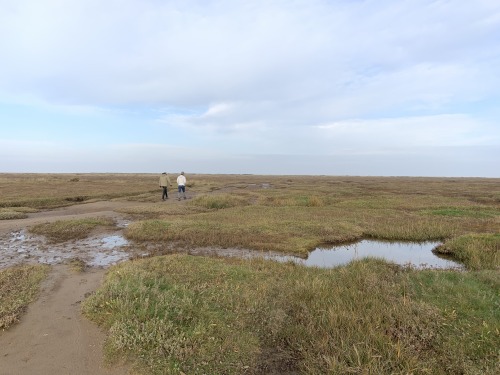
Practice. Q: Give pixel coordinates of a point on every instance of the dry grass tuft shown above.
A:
(65, 230)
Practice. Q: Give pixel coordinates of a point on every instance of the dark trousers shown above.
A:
(165, 193)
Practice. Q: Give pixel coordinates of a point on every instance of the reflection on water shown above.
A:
(106, 259)
(418, 255)
(113, 241)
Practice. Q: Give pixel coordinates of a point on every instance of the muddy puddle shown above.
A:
(99, 251)
(417, 255)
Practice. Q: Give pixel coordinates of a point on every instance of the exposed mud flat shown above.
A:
(102, 250)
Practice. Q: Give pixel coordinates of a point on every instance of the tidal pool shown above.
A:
(418, 255)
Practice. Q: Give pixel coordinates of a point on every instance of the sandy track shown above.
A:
(53, 337)
(103, 208)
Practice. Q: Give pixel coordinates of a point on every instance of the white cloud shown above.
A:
(197, 52)
(247, 78)
(425, 131)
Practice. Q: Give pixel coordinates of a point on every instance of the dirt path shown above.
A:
(53, 336)
(102, 208)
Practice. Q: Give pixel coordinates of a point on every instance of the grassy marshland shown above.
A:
(181, 314)
(295, 215)
(18, 287)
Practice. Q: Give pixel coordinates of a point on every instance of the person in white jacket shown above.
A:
(181, 186)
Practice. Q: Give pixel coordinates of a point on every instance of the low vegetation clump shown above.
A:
(18, 287)
(11, 213)
(6, 214)
(218, 201)
(65, 230)
(476, 251)
(182, 314)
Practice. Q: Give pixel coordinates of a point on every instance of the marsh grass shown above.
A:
(182, 314)
(15, 213)
(475, 212)
(469, 307)
(6, 214)
(291, 216)
(65, 230)
(18, 287)
(194, 315)
(299, 229)
(218, 201)
(476, 251)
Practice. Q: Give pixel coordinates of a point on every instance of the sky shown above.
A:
(286, 87)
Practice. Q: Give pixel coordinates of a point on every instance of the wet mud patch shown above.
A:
(101, 250)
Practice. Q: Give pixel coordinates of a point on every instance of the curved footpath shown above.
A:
(53, 337)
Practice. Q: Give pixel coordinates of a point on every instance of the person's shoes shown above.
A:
(163, 199)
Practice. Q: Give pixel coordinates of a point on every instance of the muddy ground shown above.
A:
(53, 337)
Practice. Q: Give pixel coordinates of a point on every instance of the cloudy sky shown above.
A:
(335, 87)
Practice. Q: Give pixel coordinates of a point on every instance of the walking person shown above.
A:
(181, 186)
(164, 181)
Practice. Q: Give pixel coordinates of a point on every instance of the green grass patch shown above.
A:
(218, 201)
(18, 287)
(470, 309)
(475, 212)
(194, 315)
(65, 230)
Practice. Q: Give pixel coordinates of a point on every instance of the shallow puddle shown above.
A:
(106, 259)
(418, 255)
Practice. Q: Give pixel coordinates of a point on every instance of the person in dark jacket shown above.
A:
(164, 181)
